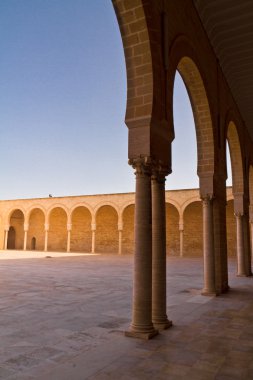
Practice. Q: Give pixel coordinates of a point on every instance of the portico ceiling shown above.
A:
(229, 26)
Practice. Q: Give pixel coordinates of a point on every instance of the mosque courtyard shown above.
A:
(63, 317)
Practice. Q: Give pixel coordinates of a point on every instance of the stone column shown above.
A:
(181, 236)
(241, 268)
(93, 241)
(142, 326)
(208, 247)
(251, 238)
(247, 245)
(6, 237)
(69, 228)
(159, 309)
(26, 228)
(46, 236)
(120, 229)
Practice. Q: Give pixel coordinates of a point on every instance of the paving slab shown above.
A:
(63, 317)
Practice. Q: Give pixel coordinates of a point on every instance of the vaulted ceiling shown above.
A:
(229, 26)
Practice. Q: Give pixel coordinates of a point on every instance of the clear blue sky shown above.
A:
(62, 103)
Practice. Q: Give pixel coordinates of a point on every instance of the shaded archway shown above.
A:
(36, 231)
(202, 116)
(11, 243)
(107, 230)
(172, 230)
(128, 230)
(236, 159)
(231, 229)
(193, 230)
(57, 236)
(81, 230)
(17, 223)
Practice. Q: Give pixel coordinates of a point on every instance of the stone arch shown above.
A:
(81, 218)
(33, 207)
(57, 235)
(184, 59)
(193, 229)
(231, 228)
(56, 205)
(128, 229)
(139, 68)
(36, 229)
(236, 158)
(107, 229)
(189, 201)
(16, 221)
(172, 230)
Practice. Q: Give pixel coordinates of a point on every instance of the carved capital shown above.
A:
(142, 165)
(238, 214)
(7, 227)
(46, 226)
(93, 226)
(159, 171)
(69, 226)
(150, 167)
(207, 198)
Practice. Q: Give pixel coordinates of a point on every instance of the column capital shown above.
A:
(181, 226)
(160, 171)
(120, 226)
(46, 226)
(148, 166)
(26, 227)
(238, 214)
(69, 226)
(7, 227)
(93, 226)
(207, 198)
(142, 165)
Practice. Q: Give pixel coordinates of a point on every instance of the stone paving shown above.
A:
(63, 317)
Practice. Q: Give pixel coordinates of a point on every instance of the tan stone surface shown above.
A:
(63, 318)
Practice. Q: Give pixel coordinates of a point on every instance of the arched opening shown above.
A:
(128, 230)
(11, 243)
(36, 230)
(81, 230)
(231, 229)
(107, 236)
(193, 230)
(57, 236)
(236, 159)
(33, 244)
(17, 223)
(172, 230)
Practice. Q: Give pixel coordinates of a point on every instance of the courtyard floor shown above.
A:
(63, 317)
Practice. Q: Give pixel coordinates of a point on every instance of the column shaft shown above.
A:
(208, 248)
(142, 326)
(241, 268)
(68, 240)
(6, 239)
(120, 242)
(181, 242)
(93, 241)
(25, 240)
(159, 309)
(46, 240)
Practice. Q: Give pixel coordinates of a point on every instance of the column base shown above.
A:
(242, 275)
(162, 325)
(141, 332)
(141, 335)
(209, 293)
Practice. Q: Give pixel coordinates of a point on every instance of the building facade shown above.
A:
(104, 223)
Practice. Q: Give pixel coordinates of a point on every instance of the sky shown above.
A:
(63, 100)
